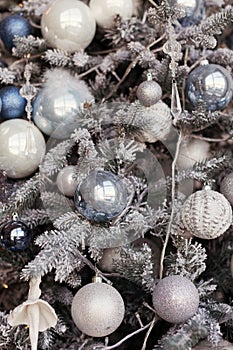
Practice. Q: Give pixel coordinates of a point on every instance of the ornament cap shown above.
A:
(97, 279)
(204, 62)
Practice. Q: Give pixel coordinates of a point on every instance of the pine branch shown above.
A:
(27, 45)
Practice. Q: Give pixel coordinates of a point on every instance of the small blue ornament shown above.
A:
(11, 26)
(15, 236)
(210, 86)
(13, 104)
(101, 197)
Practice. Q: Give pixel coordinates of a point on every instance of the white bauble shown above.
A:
(97, 309)
(192, 151)
(66, 182)
(104, 11)
(68, 25)
(22, 148)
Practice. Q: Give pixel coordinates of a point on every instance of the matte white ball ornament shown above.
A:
(66, 181)
(97, 309)
(104, 11)
(175, 299)
(22, 148)
(68, 25)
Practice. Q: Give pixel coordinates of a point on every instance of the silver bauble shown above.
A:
(149, 92)
(66, 181)
(226, 187)
(209, 85)
(191, 10)
(97, 309)
(206, 214)
(22, 148)
(175, 299)
(58, 102)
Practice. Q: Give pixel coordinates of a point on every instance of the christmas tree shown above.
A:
(116, 174)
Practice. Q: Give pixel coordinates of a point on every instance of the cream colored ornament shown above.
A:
(192, 151)
(104, 11)
(206, 345)
(66, 181)
(206, 214)
(35, 313)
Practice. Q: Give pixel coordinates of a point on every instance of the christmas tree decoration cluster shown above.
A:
(116, 174)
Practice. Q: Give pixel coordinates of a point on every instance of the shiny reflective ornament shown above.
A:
(210, 86)
(59, 101)
(149, 92)
(66, 182)
(206, 214)
(175, 299)
(226, 187)
(101, 197)
(97, 309)
(104, 11)
(68, 25)
(193, 11)
(15, 236)
(191, 152)
(13, 104)
(22, 148)
(11, 26)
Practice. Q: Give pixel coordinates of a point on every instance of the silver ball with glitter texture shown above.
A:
(97, 309)
(149, 92)
(207, 214)
(226, 187)
(175, 299)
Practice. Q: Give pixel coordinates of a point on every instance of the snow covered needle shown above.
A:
(34, 312)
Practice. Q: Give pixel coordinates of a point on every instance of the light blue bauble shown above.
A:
(58, 103)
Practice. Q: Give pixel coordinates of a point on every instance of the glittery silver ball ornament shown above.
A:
(226, 187)
(175, 299)
(149, 92)
(206, 214)
(101, 197)
(58, 102)
(97, 309)
(209, 85)
(66, 181)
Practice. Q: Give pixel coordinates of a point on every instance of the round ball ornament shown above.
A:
(192, 9)
(14, 236)
(58, 102)
(11, 26)
(207, 345)
(226, 187)
(66, 182)
(104, 11)
(22, 148)
(97, 309)
(149, 92)
(68, 25)
(175, 299)
(13, 104)
(101, 197)
(210, 86)
(206, 214)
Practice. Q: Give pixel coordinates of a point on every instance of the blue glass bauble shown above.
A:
(192, 10)
(13, 104)
(210, 86)
(11, 26)
(14, 236)
(101, 197)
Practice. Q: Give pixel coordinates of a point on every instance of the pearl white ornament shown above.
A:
(68, 25)
(22, 148)
(206, 214)
(66, 182)
(191, 152)
(97, 309)
(104, 11)
(175, 299)
(226, 187)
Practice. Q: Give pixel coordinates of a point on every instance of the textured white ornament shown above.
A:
(175, 299)
(66, 182)
(207, 345)
(206, 214)
(22, 148)
(68, 25)
(226, 187)
(192, 151)
(35, 313)
(104, 11)
(97, 309)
